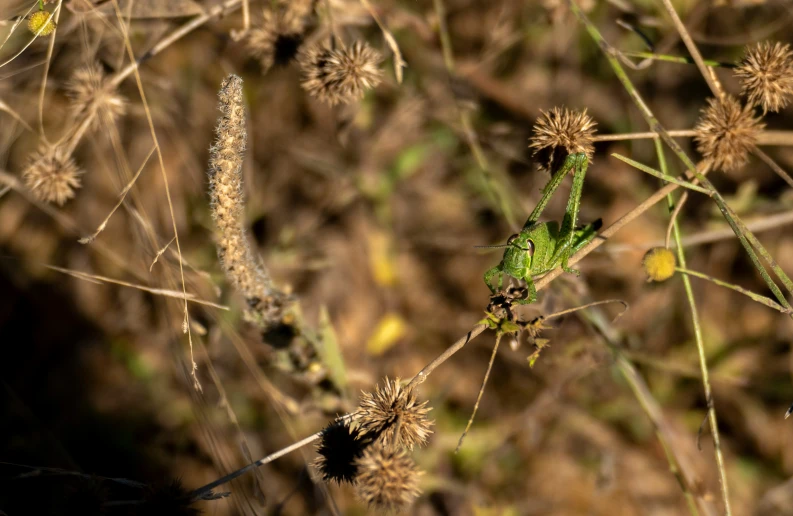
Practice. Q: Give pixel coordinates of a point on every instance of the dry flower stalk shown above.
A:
(341, 75)
(766, 73)
(726, 132)
(265, 304)
(394, 415)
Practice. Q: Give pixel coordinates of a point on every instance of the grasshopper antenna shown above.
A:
(491, 246)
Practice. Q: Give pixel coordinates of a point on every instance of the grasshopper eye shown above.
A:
(512, 239)
(530, 247)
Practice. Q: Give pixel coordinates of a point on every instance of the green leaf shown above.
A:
(329, 350)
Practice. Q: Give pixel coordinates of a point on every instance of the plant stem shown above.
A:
(707, 73)
(202, 491)
(675, 59)
(767, 301)
(703, 363)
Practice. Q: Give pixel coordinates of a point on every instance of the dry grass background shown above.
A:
(368, 214)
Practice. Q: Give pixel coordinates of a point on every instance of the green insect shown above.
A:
(540, 247)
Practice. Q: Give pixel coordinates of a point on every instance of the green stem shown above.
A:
(655, 126)
(666, 177)
(767, 301)
(703, 361)
(676, 59)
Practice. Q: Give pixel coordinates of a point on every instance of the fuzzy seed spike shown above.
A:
(265, 304)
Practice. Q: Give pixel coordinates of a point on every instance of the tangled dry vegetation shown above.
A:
(229, 227)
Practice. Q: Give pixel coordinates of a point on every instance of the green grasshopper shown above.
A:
(540, 247)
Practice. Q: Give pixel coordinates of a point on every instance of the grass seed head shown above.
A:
(387, 479)
(394, 415)
(766, 73)
(41, 21)
(339, 448)
(279, 36)
(726, 132)
(659, 264)
(340, 75)
(52, 176)
(93, 96)
(562, 128)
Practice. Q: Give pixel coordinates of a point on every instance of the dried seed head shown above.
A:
(92, 96)
(278, 38)
(394, 416)
(169, 499)
(41, 21)
(85, 495)
(387, 479)
(52, 176)
(339, 448)
(766, 73)
(659, 264)
(562, 128)
(340, 75)
(726, 132)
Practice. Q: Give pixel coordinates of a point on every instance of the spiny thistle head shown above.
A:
(42, 23)
(339, 448)
(562, 128)
(388, 479)
(52, 175)
(394, 416)
(279, 36)
(93, 96)
(726, 132)
(659, 264)
(340, 75)
(766, 73)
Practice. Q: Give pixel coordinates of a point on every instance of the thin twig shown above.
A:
(481, 392)
(121, 197)
(768, 160)
(186, 320)
(399, 62)
(202, 491)
(765, 138)
(707, 73)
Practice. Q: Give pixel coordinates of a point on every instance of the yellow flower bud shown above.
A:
(659, 264)
(41, 21)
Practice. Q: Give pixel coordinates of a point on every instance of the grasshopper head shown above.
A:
(520, 249)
